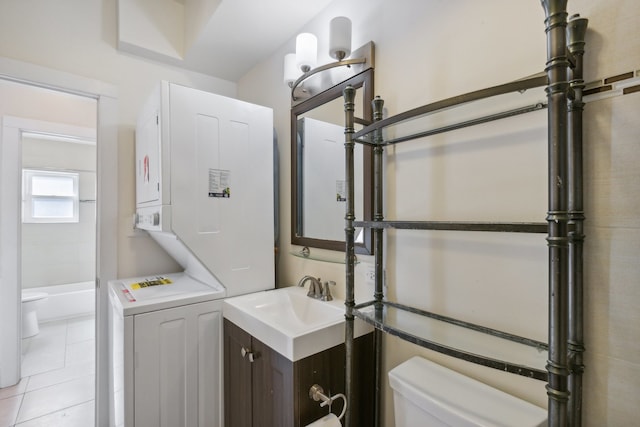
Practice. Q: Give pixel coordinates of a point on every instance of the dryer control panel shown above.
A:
(152, 218)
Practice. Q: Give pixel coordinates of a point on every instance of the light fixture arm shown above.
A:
(360, 60)
(303, 77)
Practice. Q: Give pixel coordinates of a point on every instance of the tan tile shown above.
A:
(81, 329)
(9, 410)
(14, 390)
(80, 352)
(57, 376)
(57, 397)
(76, 416)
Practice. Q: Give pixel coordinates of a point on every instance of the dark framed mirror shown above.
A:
(318, 168)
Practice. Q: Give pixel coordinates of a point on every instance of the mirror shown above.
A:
(318, 204)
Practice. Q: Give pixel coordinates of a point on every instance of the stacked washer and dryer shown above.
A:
(204, 192)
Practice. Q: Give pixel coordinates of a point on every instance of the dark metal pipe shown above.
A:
(576, 31)
(378, 152)
(349, 302)
(378, 294)
(556, 69)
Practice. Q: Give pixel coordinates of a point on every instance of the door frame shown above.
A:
(106, 219)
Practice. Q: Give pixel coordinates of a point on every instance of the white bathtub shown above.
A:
(66, 301)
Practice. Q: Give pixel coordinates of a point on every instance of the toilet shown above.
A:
(29, 314)
(430, 395)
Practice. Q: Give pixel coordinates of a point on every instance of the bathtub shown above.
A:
(66, 301)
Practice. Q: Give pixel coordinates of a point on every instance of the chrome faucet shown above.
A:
(315, 288)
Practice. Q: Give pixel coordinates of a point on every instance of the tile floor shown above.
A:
(58, 377)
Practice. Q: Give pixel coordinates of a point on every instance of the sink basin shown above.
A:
(294, 310)
(290, 322)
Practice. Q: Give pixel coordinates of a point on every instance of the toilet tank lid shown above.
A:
(460, 400)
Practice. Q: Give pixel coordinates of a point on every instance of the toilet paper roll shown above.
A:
(327, 421)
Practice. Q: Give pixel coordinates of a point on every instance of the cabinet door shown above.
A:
(273, 388)
(328, 369)
(324, 369)
(273, 391)
(237, 377)
(177, 367)
(148, 157)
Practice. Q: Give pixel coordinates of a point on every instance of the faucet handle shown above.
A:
(326, 292)
(315, 287)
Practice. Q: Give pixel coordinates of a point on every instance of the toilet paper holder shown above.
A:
(316, 392)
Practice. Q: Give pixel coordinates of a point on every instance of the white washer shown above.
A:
(165, 341)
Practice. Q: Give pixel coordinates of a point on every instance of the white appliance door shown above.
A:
(148, 154)
(222, 186)
(177, 366)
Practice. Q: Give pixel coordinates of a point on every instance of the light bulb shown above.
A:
(306, 51)
(340, 38)
(291, 70)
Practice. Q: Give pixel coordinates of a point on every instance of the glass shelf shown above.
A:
(482, 106)
(463, 340)
(305, 253)
(506, 227)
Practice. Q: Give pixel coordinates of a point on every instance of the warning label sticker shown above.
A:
(159, 280)
(219, 183)
(341, 191)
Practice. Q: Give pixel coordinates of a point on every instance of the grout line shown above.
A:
(27, 379)
(20, 407)
(54, 412)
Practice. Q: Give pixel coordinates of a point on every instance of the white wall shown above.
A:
(80, 38)
(55, 253)
(431, 50)
(60, 253)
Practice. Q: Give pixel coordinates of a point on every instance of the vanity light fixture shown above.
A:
(299, 66)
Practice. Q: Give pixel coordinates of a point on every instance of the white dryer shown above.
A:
(204, 192)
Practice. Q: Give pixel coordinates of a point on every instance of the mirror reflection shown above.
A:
(318, 168)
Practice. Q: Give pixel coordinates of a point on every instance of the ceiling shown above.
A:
(221, 38)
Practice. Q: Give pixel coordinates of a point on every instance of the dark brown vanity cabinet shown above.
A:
(262, 388)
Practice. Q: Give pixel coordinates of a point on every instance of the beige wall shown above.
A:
(425, 51)
(431, 50)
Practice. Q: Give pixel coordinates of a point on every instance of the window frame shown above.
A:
(28, 198)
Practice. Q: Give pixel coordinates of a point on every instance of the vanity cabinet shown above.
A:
(264, 388)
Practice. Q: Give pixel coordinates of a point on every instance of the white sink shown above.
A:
(290, 322)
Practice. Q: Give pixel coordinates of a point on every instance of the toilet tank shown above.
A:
(428, 394)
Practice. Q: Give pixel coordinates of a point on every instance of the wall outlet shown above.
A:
(370, 274)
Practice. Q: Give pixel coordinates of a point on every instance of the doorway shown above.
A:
(105, 118)
(58, 242)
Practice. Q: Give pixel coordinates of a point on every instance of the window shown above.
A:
(49, 196)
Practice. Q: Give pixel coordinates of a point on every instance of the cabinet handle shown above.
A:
(248, 353)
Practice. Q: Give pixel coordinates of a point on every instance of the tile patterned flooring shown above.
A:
(58, 377)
